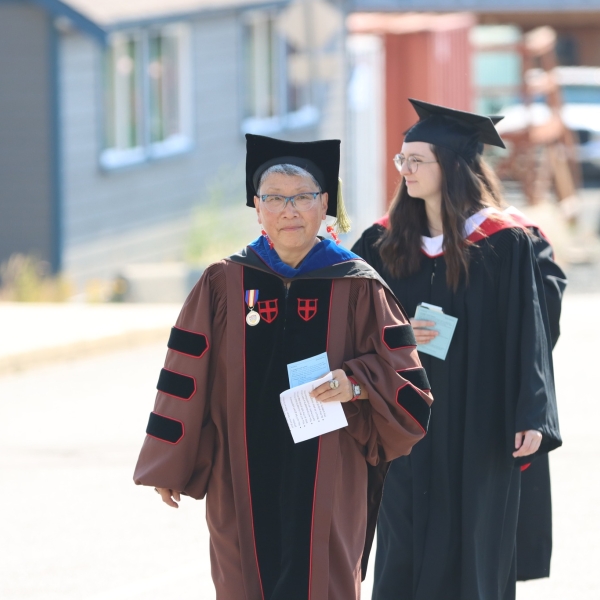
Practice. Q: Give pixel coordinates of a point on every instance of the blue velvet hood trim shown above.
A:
(324, 254)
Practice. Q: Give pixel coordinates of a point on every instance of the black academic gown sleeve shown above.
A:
(534, 529)
(528, 331)
(554, 282)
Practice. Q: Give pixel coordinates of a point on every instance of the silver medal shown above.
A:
(252, 318)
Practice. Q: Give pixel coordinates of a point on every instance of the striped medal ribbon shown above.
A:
(252, 318)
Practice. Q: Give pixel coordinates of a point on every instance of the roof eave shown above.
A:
(81, 22)
(211, 11)
(101, 33)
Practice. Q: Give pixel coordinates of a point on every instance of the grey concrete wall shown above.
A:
(26, 182)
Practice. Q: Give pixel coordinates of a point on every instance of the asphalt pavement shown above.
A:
(75, 527)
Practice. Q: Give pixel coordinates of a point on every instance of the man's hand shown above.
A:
(343, 393)
(170, 497)
(527, 442)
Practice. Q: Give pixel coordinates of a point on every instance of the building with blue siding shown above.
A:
(116, 118)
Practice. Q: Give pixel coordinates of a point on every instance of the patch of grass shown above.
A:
(27, 279)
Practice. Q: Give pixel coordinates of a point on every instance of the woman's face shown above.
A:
(426, 182)
(290, 230)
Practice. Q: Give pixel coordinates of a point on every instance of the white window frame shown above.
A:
(146, 150)
(283, 119)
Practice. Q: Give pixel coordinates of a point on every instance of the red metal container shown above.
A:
(426, 57)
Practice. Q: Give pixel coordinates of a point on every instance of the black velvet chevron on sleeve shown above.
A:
(188, 342)
(418, 377)
(164, 428)
(410, 400)
(176, 384)
(398, 336)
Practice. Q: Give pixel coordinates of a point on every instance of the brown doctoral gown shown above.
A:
(287, 521)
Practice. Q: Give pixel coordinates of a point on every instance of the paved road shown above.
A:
(74, 527)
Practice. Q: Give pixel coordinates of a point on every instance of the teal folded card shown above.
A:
(444, 325)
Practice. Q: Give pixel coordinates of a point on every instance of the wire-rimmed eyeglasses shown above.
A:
(412, 163)
(301, 202)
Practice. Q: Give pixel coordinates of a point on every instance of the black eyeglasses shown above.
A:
(302, 202)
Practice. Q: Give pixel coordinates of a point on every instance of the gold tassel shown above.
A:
(342, 221)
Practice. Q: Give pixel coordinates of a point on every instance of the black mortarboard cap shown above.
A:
(321, 159)
(457, 130)
(495, 120)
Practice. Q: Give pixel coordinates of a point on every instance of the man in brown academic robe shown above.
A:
(287, 521)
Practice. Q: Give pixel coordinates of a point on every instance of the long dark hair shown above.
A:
(466, 189)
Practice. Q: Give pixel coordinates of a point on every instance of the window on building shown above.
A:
(567, 50)
(277, 78)
(147, 95)
(123, 93)
(261, 67)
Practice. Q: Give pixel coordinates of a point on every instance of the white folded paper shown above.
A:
(308, 418)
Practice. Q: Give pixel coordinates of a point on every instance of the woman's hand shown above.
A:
(170, 497)
(527, 442)
(423, 336)
(343, 393)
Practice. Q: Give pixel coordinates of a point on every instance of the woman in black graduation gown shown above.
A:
(447, 525)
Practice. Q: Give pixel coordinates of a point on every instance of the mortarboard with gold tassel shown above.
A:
(321, 159)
